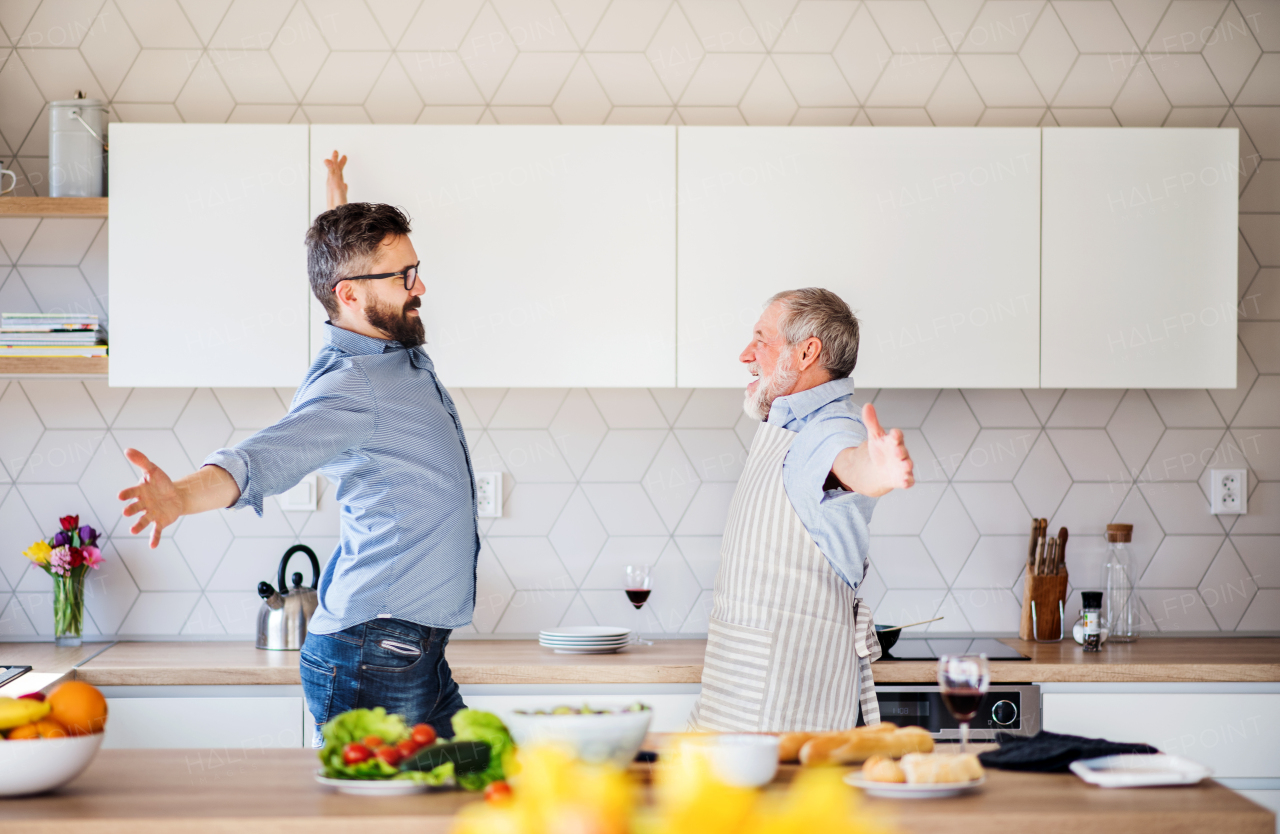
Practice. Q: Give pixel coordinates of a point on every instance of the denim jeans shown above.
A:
(382, 663)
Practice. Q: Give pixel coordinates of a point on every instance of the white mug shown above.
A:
(4, 190)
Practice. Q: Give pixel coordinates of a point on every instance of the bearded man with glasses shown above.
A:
(374, 418)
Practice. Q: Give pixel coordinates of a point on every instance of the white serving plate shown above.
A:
(901, 790)
(612, 650)
(1139, 770)
(371, 787)
(572, 645)
(578, 632)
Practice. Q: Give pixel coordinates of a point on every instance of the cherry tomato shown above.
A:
(355, 753)
(424, 734)
(390, 755)
(372, 742)
(407, 748)
(497, 793)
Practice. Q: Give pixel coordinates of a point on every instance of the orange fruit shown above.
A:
(78, 707)
(25, 731)
(48, 728)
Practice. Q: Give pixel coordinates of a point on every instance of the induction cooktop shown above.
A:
(931, 648)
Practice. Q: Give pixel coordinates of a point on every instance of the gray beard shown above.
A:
(756, 404)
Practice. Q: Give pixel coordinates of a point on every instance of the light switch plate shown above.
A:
(302, 498)
(489, 494)
(1229, 488)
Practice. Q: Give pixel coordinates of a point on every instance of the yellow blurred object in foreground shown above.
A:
(552, 793)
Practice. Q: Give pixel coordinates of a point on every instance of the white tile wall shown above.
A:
(602, 477)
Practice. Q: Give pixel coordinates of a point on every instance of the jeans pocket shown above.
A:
(317, 686)
(386, 651)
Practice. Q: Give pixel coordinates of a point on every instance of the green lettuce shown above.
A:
(355, 725)
(435, 778)
(476, 725)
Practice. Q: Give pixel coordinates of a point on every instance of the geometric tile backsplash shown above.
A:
(600, 478)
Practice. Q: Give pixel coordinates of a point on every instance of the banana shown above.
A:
(14, 712)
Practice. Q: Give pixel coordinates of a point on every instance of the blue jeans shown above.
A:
(382, 663)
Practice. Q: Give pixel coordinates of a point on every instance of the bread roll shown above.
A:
(921, 769)
(790, 744)
(880, 769)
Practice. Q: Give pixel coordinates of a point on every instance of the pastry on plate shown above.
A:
(936, 768)
(882, 769)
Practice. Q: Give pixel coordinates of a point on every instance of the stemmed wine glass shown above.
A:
(639, 585)
(964, 680)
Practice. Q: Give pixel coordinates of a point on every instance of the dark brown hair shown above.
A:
(344, 242)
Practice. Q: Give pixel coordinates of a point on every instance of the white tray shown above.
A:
(901, 790)
(1139, 770)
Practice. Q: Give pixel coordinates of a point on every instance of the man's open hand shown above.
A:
(155, 498)
(335, 187)
(889, 462)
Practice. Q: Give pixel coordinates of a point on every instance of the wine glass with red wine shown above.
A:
(639, 585)
(964, 680)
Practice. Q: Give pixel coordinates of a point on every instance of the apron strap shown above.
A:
(867, 645)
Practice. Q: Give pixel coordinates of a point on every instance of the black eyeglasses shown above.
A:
(410, 277)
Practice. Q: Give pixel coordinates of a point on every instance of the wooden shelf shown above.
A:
(79, 365)
(53, 206)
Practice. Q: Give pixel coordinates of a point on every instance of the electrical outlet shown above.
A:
(489, 494)
(1229, 489)
(302, 498)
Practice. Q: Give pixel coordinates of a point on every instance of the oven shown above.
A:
(1006, 708)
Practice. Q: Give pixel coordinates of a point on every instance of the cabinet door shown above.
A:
(221, 722)
(931, 236)
(548, 252)
(1139, 258)
(208, 275)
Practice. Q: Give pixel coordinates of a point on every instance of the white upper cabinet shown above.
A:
(930, 234)
(1139, 272)
(548, 252)
(208, 278)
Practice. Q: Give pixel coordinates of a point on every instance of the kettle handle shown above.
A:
(315, 564)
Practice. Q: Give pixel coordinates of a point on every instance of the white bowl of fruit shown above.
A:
(48, 741)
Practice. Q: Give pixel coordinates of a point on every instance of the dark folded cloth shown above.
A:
(1047, 752)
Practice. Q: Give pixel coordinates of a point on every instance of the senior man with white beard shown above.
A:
(790, 644)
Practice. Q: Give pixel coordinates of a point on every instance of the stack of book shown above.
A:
(51, 334)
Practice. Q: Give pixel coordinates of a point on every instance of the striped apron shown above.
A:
(789, 644)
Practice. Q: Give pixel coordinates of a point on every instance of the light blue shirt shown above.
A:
(372, 416)
(827, 422)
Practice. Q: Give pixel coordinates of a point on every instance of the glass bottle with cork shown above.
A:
(1120, 615)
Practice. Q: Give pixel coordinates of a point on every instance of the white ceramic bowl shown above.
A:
(615, 737)
(743, 760)
(42, 764)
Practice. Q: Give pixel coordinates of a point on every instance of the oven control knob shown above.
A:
(1004, 713)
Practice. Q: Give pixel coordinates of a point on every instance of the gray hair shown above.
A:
(816, 313)
(344, 242)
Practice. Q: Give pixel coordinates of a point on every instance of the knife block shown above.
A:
(1047, 592)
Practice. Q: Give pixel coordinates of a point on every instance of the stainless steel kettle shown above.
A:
(283, 618)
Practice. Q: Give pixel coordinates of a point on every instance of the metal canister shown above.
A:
(77, 148)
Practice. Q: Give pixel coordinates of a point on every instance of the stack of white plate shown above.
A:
(585, 639)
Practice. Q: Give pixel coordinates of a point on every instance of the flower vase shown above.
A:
(68, 608)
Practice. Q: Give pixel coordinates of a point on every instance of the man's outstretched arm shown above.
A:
(160, 501)
(879, 465)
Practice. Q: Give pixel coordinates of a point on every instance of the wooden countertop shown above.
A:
(680, 661)
(273, 791)
(49, 664)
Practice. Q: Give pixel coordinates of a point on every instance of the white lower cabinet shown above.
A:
(231, 718)
(1233, 728)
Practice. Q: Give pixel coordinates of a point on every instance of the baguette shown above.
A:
(790, 744)
(818, 750)
(861, 743)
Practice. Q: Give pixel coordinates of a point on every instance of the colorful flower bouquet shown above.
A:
(66, 558)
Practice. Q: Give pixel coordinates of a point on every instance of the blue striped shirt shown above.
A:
(372, 416)
(828, 422)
